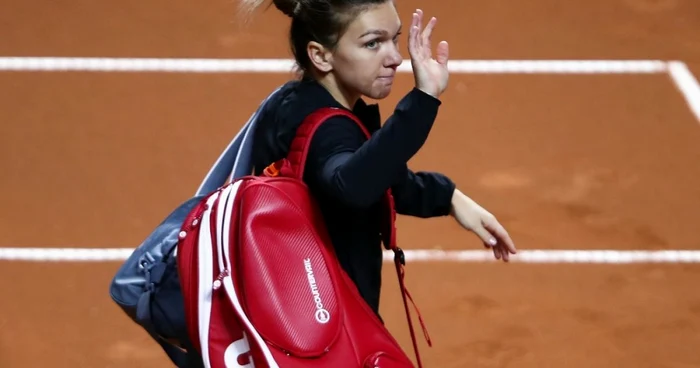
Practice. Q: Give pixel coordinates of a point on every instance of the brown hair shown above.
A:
(322, 21)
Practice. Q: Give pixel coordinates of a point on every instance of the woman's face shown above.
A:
(367, 55)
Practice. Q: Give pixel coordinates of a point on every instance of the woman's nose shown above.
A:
(394, 58)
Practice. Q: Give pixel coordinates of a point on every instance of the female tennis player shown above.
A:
(346, 50)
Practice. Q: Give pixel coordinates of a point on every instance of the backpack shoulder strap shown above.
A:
(299, 149)
(235, 161)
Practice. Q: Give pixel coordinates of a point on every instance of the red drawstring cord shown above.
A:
(400, 261)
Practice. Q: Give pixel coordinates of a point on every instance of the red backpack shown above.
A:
(262, 285)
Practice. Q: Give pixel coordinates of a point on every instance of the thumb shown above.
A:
(488, 239)
(443, 53)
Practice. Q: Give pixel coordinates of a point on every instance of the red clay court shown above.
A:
(569, 155)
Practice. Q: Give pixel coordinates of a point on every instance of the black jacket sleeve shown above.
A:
(424, 194)
(347, 167)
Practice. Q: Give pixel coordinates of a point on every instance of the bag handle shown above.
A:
(235, 161)
(293, 164)
(299, 149)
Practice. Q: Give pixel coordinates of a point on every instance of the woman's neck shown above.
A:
(342, 95)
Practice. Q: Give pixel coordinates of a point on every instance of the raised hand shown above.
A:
(430, 73)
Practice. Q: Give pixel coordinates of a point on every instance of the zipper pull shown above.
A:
(219, 279)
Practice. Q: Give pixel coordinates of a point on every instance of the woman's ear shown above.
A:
(320, 57)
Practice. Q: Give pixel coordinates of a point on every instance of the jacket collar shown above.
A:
(368, 114)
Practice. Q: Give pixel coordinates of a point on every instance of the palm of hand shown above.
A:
(431, 74)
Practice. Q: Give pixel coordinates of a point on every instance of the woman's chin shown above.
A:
(380, 93)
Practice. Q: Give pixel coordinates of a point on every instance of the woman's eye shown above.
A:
(396, 38)
(372, 44)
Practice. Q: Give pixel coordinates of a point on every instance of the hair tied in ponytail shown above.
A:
(288, 7)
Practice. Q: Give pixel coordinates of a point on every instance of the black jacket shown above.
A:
(349, 174)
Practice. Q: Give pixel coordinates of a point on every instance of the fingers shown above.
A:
(428, 32)
(499, 250)
(504, 253)
(413, 39)
(500, 232)
(420, 38)
(492, 242)
(486, 237)
(419, 18)
(494, 236)
(420, 41)
(494, 248)
(443, 53)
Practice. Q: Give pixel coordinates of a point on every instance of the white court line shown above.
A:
(420, 255)
(95, 64)
(678, 70)
(687, 84)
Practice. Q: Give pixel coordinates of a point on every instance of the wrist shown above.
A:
(454, 201)
(460, 199)
(428, 92)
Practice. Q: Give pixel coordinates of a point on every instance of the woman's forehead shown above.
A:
(380, 19)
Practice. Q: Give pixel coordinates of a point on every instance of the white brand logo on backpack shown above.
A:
(322, 315)
(237, 349)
